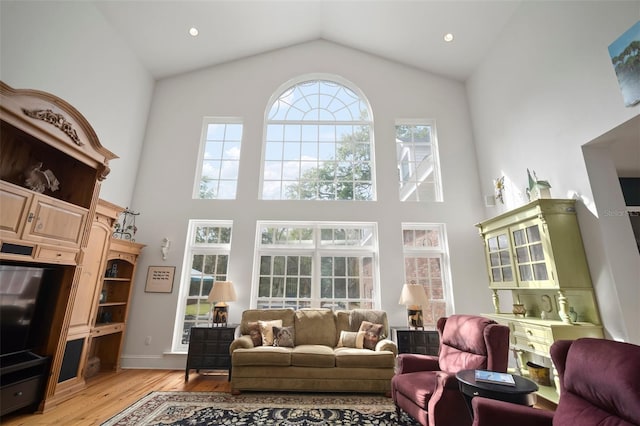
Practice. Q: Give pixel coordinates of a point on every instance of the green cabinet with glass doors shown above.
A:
(536, 253)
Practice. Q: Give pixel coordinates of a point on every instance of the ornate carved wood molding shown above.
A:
(57, 120)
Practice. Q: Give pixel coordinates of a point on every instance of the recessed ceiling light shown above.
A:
(193, 31)
(448, 37)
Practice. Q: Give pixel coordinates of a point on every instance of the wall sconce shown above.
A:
(164, 247)
(414, 297)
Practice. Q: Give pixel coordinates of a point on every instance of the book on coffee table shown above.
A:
(495, 377)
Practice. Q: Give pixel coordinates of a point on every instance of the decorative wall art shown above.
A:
(498, 187)
(625, 57)
(160, 279)
(127, 229)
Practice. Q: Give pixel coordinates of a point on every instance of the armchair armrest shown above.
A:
(243, 342)
(387, 345)
(491, 412)
(410, 363)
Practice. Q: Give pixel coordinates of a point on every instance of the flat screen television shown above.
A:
(20, 296)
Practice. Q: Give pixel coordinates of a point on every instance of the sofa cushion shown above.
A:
(363, 358)
(284, 336)
(266, 329)
(315, 327)
(351, 339)
(371, 333)
(255, 333)
(320, 356)
(262, 355)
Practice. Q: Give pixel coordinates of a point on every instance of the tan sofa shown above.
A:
(319, 361)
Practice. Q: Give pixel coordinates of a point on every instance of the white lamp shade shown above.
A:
(413, 295)
(222, 291)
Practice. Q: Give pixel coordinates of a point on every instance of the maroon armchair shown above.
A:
(599, 385)
(425, 386)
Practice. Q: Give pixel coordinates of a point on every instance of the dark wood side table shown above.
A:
(522, 393)
(209, 349)
(411, 341)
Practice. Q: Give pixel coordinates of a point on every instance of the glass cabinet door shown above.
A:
(499, 260)
(531, 258)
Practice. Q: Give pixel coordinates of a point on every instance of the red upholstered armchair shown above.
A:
(599, 385)
(426, 387)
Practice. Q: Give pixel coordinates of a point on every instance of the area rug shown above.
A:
(217, 408)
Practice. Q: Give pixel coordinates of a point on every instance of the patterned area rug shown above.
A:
(217, 408)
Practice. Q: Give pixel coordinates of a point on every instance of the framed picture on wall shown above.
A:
(625, 58)
(160, 279)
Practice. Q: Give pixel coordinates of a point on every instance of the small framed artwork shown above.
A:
(160, 279)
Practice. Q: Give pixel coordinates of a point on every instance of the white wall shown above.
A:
(546, 89)
(69, 50)
(242, 89)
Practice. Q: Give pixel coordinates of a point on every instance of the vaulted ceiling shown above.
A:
(409, 32)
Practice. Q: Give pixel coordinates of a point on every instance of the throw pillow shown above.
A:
(371, 334)
(351, 339)
(266, 330)
(283, 337)
(254, 332)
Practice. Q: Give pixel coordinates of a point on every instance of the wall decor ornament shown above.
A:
(127, 229)
(498, 186)
(537, 188)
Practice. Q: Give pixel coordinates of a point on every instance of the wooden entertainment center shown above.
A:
(51, 170)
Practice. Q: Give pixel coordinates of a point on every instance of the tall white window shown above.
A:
(425, 256)
(206, 261)
(418, 165)
(318, 144)
(219, 159)
(331, 265)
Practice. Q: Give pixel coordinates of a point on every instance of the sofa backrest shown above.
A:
(600, 382)
(315, 327)
(254, 315)
(472, 342)
(356, 316)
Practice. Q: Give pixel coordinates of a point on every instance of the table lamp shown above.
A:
(221, 292)
(414, 297)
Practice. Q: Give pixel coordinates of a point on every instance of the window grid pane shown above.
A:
(220, 161)
(314, 278)
(208, 260)
(417, 156)
(424, 255)
(318, 145)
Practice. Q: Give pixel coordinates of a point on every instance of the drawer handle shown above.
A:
(530, 333)
(476, 393)
(531, 346)
(19, 393)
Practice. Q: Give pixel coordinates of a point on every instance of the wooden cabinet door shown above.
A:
(55, 221)
(15, 203)
(91, 279)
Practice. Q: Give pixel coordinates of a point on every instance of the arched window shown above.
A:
(318, 143)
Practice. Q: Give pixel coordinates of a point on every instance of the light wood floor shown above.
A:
(109, 393)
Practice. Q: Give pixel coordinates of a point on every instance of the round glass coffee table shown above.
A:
(522, 393)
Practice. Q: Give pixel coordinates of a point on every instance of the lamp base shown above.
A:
(220, 315)
(414, 317)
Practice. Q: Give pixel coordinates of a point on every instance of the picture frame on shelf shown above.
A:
(160, 279)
